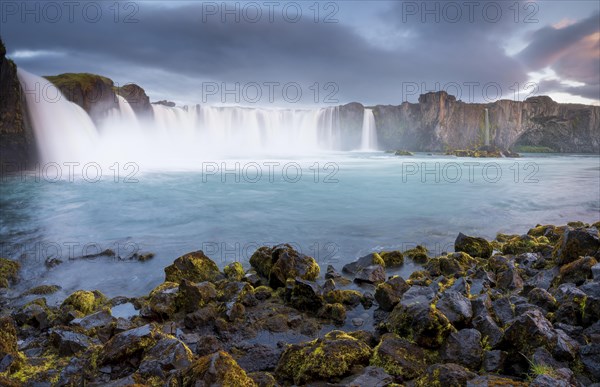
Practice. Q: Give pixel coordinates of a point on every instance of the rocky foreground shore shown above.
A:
(519, 310)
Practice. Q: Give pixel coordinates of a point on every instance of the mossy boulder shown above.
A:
(84, 301)
(35, 313)
(528, 332)
(130, 344)
(392, 258)
(335, 312)
(526, 244)
(305, 295)
(136, 98)
(450, 265)
(575, 243)
(549, 231)
(423, 324)
(474, 246)
(9, 350)
(399, 357)
(217, 369)
(282, 262)
(577, 272)
(195, 267)
(446, 375)
(192, 296)
(326, 359)
(162, 300)
(166, 356)
(344, 296)
(417, 254)
(42, 290)
(9, 271)
(389, 293)
(234, 271)
(362, 263)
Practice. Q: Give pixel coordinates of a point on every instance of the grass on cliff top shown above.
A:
(71, 81)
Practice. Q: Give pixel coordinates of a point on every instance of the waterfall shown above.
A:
(63, 130)
(369, 132)
(175, 136)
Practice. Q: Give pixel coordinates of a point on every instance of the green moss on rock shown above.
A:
(42, 290)
(195, 267)
(417, 254)
(323, 359)
(234, 271)
(474, 246)
(217, 369)
(8, 272)
(392, 258)
(84, 301)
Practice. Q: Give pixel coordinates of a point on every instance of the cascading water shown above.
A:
(63, 130)
(176, 136)
(369, 132)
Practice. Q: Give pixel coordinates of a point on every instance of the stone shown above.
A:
(463, 347)
(362, 262)
(392, 258)
(474, 246)
(424, 324)
(575, 243)
(217, 369)
(194, 267)
(529, 331)
(590, 357)
(193, 296)
(577, 271)
(369, 376)
(448, 374)
(162, 300)
(493, 361)
(69, 343)
(399, 357)
(322, 359)
(543, 299)
(128, 344)
(491, 333)
(84, 302)
(306, 295)
(167, 355)
(234, 271)
(389, 293)
(456, 307)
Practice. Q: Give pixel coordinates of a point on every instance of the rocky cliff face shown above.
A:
(440, 122)
(137, 98)
(17, 147)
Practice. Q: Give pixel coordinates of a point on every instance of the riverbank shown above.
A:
(518, 310)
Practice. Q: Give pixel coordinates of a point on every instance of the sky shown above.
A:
(325, 53)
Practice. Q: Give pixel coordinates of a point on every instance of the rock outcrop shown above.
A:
(137, 98)
(17, 146)
(438, 122)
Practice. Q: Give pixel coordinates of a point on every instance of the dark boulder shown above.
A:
(464, 347)
(195, 267)
(575, 243)
(399, 357)
(456, 307)
(474, 246)
(389, 293)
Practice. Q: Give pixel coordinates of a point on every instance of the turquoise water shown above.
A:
(371, 201)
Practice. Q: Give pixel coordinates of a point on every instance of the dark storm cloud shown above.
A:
(171, 51)
(573, 52)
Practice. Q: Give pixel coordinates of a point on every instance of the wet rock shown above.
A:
(9, 271)
(529, 331)
(194, 267)
(8, 344)
(166, 356)
(346, 297)
(543, 299)
(548, 381)
(578, 271)
(493, 380)
(129, 344)
(392, 258)
(492, 334)
(417, 295)
(543, 279)
(481, 305)
(306, 295)
(258, 357)
(42, 290)
(503, 310)
(575, 243)
(451, 265)
(207, 345)
(281, 263)
(234, 271)
(463, 347)
(596, 272)
(427, 326)
(508, 277)
(367, 300)
(374, 274)
(399, 357)
(369, 376)
(448, 374)
(565, 347)
(590, 357)
(456, 307)
(542, 357)
(331, 273)
(322, 359)
(474, 246)
(591, 306)
(417, 254)
(493, 361)
(263, 379)
(524, 244)
(162, 301)
(192, 296)
(363, 262)
(36, 314)
(335, 312)
(69, 343)
(84, 302)
(389, 293)
(262, 293)
(217, 369)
